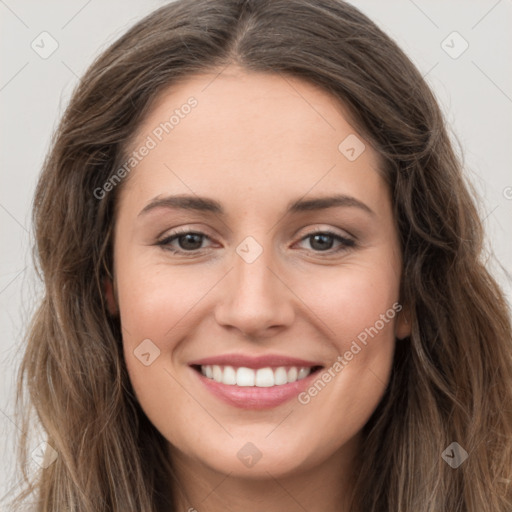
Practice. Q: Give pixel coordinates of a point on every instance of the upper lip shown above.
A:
(255, 362)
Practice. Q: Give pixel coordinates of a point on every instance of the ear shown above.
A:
(110, 296)
(403, 324)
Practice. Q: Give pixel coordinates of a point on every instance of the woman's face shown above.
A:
(254, 299)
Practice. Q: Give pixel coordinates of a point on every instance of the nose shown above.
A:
(255, 299)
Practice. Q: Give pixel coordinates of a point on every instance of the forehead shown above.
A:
(257, 104)
(248, 133)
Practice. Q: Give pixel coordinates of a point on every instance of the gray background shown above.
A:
(474, 90)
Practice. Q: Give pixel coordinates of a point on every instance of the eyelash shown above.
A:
(346, 243)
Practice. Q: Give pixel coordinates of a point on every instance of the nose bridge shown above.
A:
(253, 281)
(251, 262)
(255, 297)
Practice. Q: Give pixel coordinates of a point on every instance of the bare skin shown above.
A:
(254, 143)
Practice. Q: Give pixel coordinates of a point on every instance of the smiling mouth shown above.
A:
(249, 377)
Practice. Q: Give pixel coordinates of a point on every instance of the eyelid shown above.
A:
(307, 232)
(322, 228)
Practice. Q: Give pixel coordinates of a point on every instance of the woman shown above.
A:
(331, 340)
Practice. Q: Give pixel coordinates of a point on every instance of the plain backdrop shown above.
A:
(473, 86)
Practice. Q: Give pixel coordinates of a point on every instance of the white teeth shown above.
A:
(280, 376)
(292, 374)
(264, 378)
(247, 377)
(229, 375)
(217, 373)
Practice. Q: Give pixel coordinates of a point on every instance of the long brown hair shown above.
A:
(452, 378)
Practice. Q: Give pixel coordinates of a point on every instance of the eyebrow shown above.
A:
(206, 204)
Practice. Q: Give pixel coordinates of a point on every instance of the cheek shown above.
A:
(155, 299)
(155, 306)
(358, 305)
(159, 306)
(355, 299)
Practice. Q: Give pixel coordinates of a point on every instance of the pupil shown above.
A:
(323, 238)
(190, 238)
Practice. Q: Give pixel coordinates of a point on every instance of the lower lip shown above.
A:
(253, 397)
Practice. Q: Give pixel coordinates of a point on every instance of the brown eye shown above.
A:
(190, 242)
(322, 241)
(187, 241)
